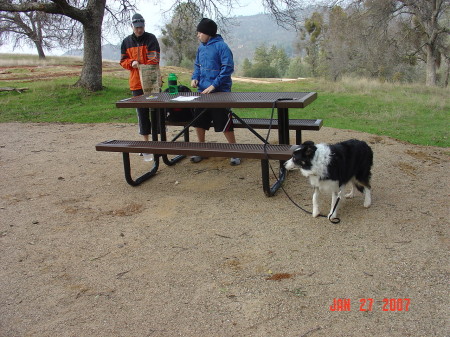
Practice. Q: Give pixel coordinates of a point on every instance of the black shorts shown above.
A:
(220, 117)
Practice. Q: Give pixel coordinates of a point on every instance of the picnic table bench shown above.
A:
(264, 152)
(264, 123)
(161, 148)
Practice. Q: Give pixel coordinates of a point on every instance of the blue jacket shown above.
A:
(214, 65)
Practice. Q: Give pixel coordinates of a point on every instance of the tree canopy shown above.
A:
(179, 41)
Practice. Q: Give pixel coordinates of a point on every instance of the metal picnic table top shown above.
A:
(220, 100)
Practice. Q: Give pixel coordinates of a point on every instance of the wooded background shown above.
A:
(394, 40)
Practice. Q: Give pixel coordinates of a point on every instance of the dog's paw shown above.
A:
(315, 213)
(367, 200)
(350, 193)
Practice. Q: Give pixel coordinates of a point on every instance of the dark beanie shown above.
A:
(207, 26)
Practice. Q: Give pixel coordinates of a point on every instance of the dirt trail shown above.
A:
(200, 251)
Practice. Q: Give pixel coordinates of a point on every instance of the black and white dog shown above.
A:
(331, 167)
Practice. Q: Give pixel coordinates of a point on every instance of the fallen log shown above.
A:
(19, 90)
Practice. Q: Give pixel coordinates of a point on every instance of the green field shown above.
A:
(409, 112)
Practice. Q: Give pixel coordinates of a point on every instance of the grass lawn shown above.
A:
(409, 112)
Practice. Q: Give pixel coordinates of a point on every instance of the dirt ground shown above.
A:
(199, 250)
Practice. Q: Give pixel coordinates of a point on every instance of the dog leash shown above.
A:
(335, 220)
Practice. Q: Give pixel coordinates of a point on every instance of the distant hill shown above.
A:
(247, 33)
(253, 31)
(109, 52)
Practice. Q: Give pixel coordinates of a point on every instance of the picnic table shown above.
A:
(161, 148)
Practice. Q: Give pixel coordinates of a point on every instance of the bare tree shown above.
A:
(288, 13)
(428, 23)
(42, 30)
(179, 41)
(90, 14)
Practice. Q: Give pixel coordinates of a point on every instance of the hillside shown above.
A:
(253, 31)
(243, 36)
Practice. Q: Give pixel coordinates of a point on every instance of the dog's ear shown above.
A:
(308, 143)
(310, 148)
(295, 148)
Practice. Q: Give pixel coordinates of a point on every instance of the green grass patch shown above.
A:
(412, 113)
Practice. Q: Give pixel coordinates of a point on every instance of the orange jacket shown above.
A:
(144, 49)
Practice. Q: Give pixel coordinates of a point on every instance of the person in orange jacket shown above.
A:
(140, 47)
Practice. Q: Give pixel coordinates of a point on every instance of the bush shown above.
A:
(188, 64)
(262, 71)
(297, 68)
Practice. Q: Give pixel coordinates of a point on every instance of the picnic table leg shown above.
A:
(185, 130)
(144, 177)
(283, 138)
(161, 118)
(283, 125)
(252, 130)
(271, 190)
(298, 137)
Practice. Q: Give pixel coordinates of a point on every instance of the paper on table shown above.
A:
(184, 98)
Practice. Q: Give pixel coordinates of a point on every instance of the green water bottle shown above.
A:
(173, 84)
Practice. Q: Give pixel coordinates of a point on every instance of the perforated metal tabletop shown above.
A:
(221, 100)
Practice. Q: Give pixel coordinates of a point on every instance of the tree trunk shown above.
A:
(431, 66)
(91, 74)
(40, 49)
(91, 17)
(447, 75)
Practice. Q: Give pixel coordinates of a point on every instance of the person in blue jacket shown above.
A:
(212, 73)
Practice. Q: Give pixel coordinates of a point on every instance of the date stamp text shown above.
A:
(369, 304)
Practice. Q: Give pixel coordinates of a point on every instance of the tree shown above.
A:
(90, 13)
(179, 41)
(428, 19)
(297, 68)
(428, 23)
(259, 70)
(313, 27)
(246, 67)
(280, 61)
(357, 42)
(42, 30)
(267, 63)
(262, 56)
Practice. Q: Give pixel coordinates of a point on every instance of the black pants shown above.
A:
(143, 114)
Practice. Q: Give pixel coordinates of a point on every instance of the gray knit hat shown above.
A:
(137, 20)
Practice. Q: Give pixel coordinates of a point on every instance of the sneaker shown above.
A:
(235, 161)
(147, 156)
(196, 159)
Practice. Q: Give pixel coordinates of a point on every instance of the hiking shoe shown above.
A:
(196, 159)
(235, 161)
(147, 156)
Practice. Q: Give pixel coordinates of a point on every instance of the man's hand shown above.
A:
(194, 83)
(208, 90)
(135, 64)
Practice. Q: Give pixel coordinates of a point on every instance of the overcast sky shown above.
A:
(152, 11)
